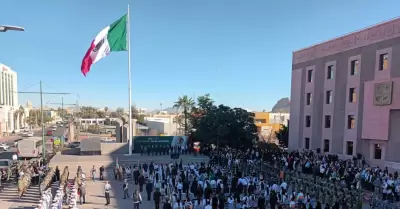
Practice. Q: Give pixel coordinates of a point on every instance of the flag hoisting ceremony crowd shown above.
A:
(258, 178)
(232, 178)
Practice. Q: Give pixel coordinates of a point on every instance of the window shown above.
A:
(351, 122)
(328, 97)
(326, 145)
(327, 121)
(354, 67)
(383, 61)
(309, 98)
(330, 72)
(261, 120)
(352, 95)
(307, 143)
(309, 76)
(349, 148)
(308, 121)
(377, 152)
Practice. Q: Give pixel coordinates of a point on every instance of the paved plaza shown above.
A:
(95, 189)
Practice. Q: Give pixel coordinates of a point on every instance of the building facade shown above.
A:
(268, 123)
(162, 124)
(345, 94)
(8, 100)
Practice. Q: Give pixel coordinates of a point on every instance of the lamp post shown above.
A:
(5, 28)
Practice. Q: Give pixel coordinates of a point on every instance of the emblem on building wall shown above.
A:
(383, 93)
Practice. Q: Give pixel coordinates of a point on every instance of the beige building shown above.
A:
(163, 123)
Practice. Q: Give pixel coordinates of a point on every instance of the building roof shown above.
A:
(377, 33)
(351, 33)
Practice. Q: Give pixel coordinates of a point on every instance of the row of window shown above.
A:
(351, 121)
(354, 68)
(326, 146)
(377, 154)
(329, 97)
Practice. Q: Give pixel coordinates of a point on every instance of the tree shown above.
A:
(186, 103)
(283, 135)
(114, 115)
(88, 112)
(18, 114)
(101, 114)
(35, 118)
(222, 125)
(120, 111)
(204, 104)
(61, 112)
(106, 110)
(135, 112)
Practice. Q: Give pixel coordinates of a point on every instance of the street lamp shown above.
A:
(5, 28)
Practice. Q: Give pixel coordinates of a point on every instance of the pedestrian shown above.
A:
(141, 182)
(167, 204)
(93, 171)
(82, 192)
(101, 172)
(57, 174)
(157, 198)
(125, 188)
(107, 189)
(137, 199)
(149, 189)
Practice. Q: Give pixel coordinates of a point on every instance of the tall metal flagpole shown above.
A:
(128, 33)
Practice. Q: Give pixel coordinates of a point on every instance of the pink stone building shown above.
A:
(345, 94)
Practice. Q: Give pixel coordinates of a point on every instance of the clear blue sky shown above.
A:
(238, 51)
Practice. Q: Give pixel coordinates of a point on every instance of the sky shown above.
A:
(238, 51)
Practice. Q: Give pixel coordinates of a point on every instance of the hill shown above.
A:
(282, 106)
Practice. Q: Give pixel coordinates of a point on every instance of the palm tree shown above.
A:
(106, 110)
(21, 111)
(186, 103)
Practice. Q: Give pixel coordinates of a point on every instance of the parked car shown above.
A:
(49, 133)
(4, 147)
(5, 163)
(74, 145)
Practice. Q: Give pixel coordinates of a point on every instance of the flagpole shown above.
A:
(130, 82)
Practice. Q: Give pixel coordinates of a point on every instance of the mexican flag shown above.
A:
(110, 39)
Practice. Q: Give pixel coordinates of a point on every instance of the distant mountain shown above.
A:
(282, 106)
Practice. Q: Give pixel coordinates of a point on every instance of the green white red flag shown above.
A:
(110, 39)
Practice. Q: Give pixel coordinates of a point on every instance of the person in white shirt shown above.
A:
(300, 197)
(15, 157)
(208, 205)
(107, 189)
(284, 185)
(178, 205)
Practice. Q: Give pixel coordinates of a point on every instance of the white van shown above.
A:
(30, 147)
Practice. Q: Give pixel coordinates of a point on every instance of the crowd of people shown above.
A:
(255, 178)
(251, 179)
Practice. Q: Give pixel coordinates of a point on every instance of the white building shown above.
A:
(279, 118)
(163, 125)
(8, 99)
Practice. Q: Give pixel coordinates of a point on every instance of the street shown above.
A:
(37, 133)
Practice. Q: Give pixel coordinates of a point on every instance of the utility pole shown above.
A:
(62, 106)
(42, 112)
(62, 112)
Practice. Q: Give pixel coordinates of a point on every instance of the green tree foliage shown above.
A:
(222, 125)
(283, 135)
(186, 103)
(35, 118)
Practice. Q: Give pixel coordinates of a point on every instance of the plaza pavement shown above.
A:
(95, 189)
